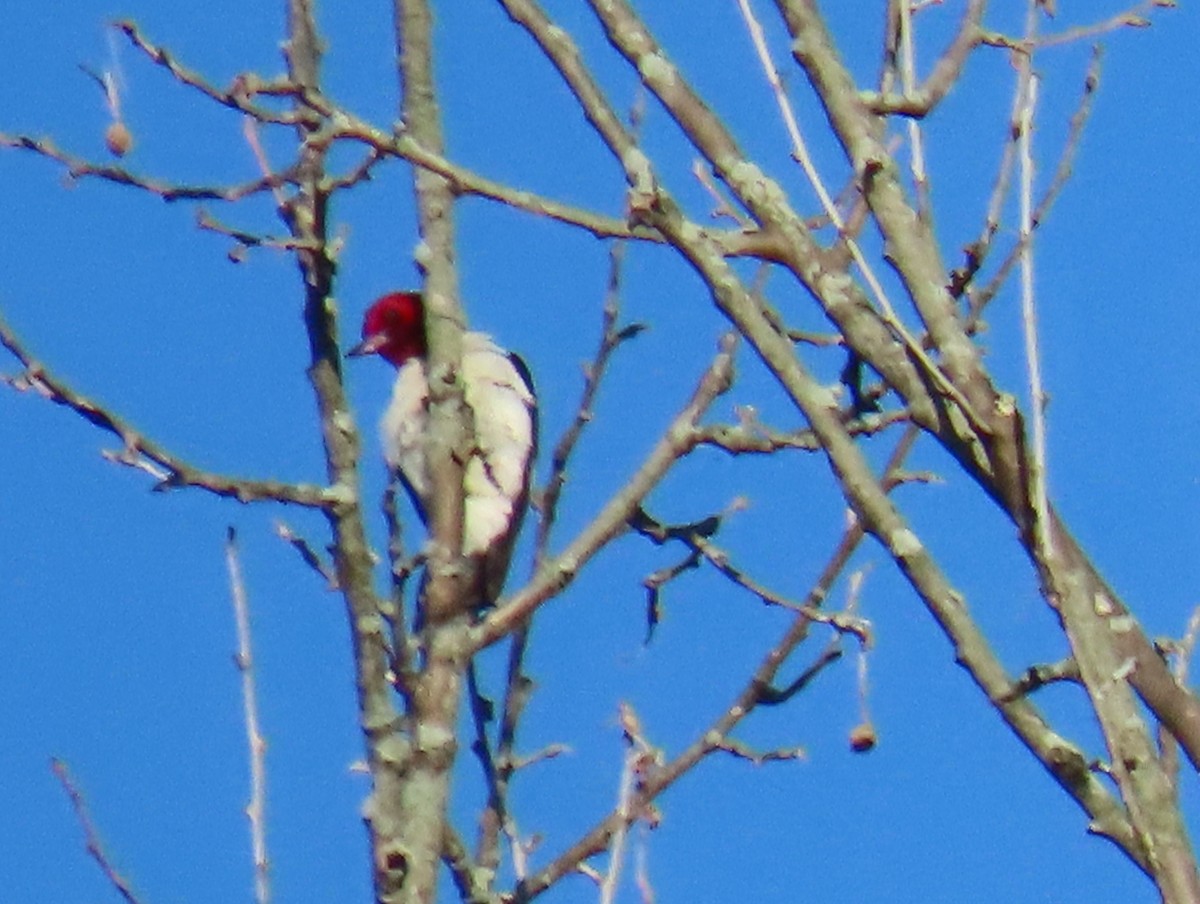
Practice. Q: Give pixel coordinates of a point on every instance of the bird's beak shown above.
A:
(368, 346)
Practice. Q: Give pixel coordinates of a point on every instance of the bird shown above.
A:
(498, 389)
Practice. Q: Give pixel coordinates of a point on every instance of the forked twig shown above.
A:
(978, 251)
(144, 454)
(888, 312)
(612, 337)
(79, 168)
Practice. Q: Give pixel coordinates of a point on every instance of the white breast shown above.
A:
(496, 473)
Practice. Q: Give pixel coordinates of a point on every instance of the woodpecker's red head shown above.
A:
(394, 328)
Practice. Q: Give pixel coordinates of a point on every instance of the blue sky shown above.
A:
(116, 633)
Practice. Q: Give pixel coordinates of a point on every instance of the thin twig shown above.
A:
(743, 751)
(137, 451)
(517, 688)
(777, 696)
(918, 102)
(467, 877)
(1062, 173)
(1182, 650)
(1040, 675)
(724, 207)
(802, 156)
(702, 547)
(1033, 361)
(1135, 17)
(307, 554)
(616, 846)
(679, 439)
(209, 223)
(755, 438)
(237, 98)
(642, 867)
(250, 133)
(757, 691)
(865, 730)
(401, 568)
(91, 837)
(908, 66)
(256, 809)
(977, 252)
(612, 337)
(79, 168)
(482, 712)
(639, 762)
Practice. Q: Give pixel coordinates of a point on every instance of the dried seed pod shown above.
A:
(118, 139)
(863, 737)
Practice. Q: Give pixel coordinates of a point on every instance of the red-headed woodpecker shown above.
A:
(498, 390)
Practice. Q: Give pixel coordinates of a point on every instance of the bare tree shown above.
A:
(850, 228)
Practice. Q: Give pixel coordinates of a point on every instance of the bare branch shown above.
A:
(239, 97)
(742, 751)
(977, 252)
(918, 102)
(678, 440)
(308, 555)
(776, 696)
(639, 761)
(697, 537)
(256, 809)
(79, 168)
(612, 337)
(94, 846)
(1033, 361)
(800, 152)
(248, 239)
(482, 714)
(464, 871)
(754, 438)
(1134, 17)
(1036, 677)
(307, 217)
(137, 450)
